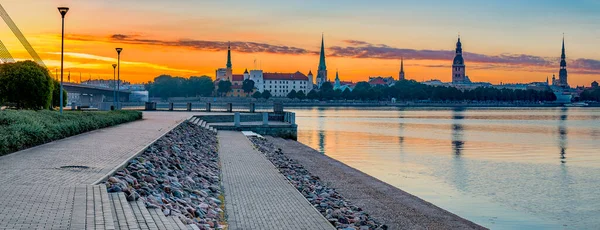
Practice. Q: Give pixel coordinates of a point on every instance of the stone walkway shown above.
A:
(257, 196)
(36, 193)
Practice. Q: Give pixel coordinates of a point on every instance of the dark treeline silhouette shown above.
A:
(590, 95)
(410, 90)
(165, 86)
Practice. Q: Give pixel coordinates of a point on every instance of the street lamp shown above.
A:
(114, 85)
(63, 11)
(118, 73)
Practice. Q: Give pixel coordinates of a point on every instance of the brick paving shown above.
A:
(36, 193)
(257, 196)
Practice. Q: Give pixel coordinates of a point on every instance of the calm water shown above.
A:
(502, 168)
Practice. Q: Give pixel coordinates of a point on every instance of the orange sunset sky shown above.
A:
(504, 41)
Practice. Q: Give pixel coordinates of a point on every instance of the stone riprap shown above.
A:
(178, 174)
(341, 213)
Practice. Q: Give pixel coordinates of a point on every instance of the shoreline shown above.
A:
(393, 206)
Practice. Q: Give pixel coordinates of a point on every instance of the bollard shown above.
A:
(265, 119)
(236, 119)
(207, 106)
(292, 118)
(229, 107)
(252, 107)
(189, 106)
(171, 106)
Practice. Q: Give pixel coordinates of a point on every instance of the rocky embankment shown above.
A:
(179, 174)
(339, 211)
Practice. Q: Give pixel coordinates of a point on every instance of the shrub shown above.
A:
(21, 129)
(56, 95)
(26, 84)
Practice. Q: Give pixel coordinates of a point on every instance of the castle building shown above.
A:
(322, 70)
(401, 74)
(458, 66)
(278, 84)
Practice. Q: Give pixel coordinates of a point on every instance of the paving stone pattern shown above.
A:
(36, 193)
(257, 196)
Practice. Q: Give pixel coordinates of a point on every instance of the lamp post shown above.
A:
(63, 11)
(118, 73)
(115, 85)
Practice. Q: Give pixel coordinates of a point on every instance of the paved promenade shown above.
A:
(257, 196)
(37, 191)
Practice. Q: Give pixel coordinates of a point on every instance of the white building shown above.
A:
(280, 84)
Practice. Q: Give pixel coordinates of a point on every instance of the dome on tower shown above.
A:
(458, 60)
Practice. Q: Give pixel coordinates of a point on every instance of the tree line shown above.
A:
(165, 86)
(27, 85)
(590, 94)
(410, 90)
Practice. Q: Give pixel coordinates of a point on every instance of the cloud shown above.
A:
(203, 45)
(114, 60)
(362, 49)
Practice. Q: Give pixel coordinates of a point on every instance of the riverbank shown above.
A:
(388, 204)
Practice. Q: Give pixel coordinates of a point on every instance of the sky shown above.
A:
(504, 41)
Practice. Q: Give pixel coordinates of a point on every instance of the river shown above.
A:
(503, 168)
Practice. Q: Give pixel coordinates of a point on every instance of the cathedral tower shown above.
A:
(458, 66)
(401, 74)
(562, 74)
(322, 70)
(229, 72)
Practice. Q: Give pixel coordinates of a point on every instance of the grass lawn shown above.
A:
(21, 129)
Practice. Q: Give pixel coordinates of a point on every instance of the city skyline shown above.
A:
(186, 40)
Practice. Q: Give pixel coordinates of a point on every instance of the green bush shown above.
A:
(21, 129)
(56, 95)
(26, 84)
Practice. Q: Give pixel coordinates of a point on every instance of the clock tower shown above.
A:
(458, 66)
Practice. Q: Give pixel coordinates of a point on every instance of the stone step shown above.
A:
(160, 219)
(122, 212)
(92, 208)
(142, 215)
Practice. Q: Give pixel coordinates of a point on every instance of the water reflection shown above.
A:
(321, 117)
(457, 130)
(562, 134)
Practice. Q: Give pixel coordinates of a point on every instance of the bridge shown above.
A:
(91, 95)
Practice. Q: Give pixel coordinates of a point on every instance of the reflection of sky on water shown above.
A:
(503, 172)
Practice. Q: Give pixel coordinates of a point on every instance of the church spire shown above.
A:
(563, 56)
(229, 55)
(401, 74)
(337, 76)
(322, 65)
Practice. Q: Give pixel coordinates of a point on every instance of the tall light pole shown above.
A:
(115, 85)
(63, 11)
(118, 74)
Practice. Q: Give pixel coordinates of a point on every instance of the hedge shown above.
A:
(21, 129)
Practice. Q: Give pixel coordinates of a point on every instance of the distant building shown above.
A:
(401, 74)
(563, 80)
(342, 85)
(387, 81)
(594, 85)
(458, 66)
(322, 70)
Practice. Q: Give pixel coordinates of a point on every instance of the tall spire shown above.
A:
(337, 76)
(563, 56)
(402, 65)
(229, 55)
(322, 65)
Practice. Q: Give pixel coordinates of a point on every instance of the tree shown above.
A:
(200, 86)
(300, 95)
(312, 95)
(56, 95)
(224, 87)
(266, 94)
(347, 94)
(26, 84)
(248, 86)
(257, 95)
(292, 94)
